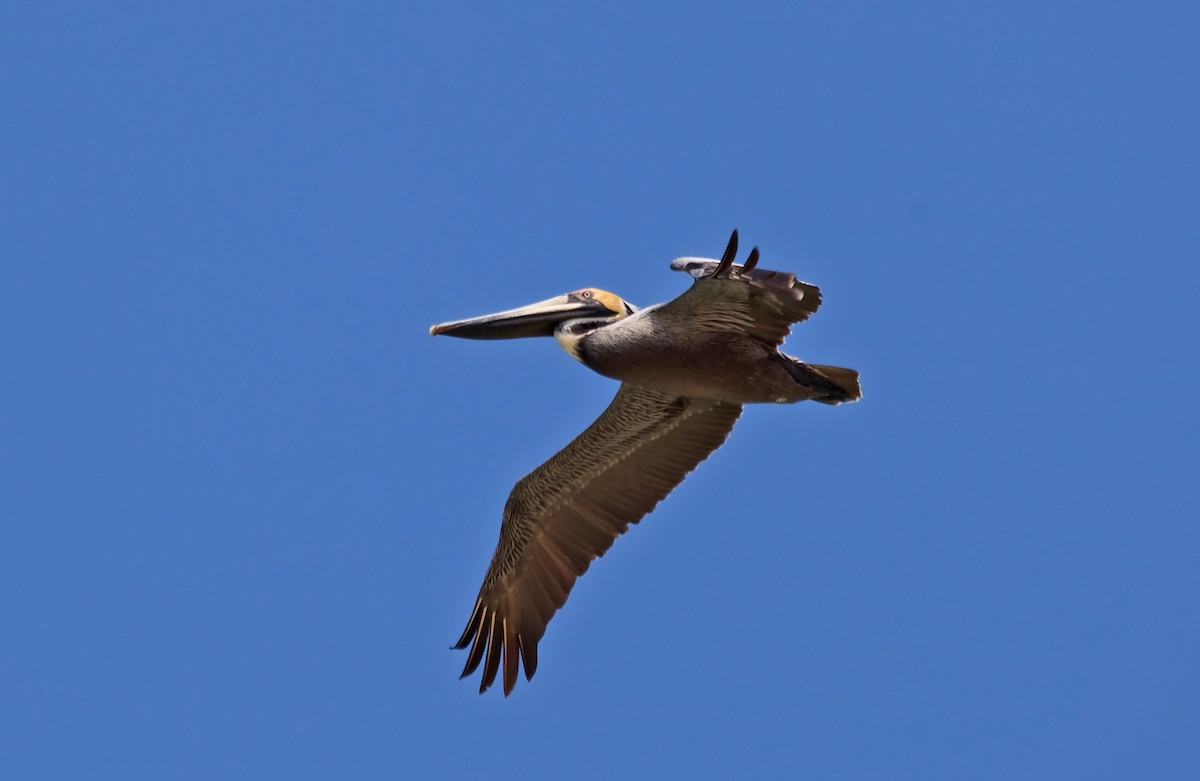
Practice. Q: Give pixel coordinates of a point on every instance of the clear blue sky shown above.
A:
(247, 500)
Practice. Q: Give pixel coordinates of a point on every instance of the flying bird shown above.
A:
(686, 368)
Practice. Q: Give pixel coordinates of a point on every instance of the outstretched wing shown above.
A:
(753, 301)
(569, 511)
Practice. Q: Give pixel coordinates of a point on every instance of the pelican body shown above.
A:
(686, 368)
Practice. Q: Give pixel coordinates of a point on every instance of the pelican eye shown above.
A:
(602, 297)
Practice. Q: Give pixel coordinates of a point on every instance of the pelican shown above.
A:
(686, 368)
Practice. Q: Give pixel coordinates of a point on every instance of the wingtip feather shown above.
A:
(472, 625)
(528, 656)
(512, 656)
(491, 664)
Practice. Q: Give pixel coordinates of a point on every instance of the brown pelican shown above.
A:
(686, 368)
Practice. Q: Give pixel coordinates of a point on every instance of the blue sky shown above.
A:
(248, 501)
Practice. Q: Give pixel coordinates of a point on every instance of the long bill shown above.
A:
(538, 319)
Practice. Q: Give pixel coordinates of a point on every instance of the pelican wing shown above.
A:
(754, 301)
(569, 511)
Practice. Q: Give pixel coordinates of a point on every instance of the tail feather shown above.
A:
(845, 380)
(834, 383)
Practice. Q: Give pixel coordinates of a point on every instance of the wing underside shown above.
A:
(569, 510)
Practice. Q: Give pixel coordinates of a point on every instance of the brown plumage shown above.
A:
(686, 367)
(569, 511)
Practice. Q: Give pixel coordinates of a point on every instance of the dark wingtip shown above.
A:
(491, 660)
(751, 261)
(528, 657)
(475, 636)
(727, 258)
(472, 627)
(512, 657)
(495, 651)
(475, 656)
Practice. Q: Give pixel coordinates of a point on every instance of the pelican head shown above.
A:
(570, 314)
